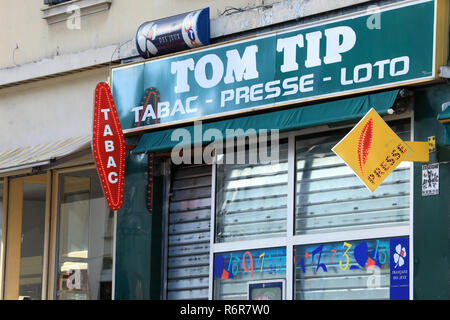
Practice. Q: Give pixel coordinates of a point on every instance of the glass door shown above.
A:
(26, 238)
(85, 238)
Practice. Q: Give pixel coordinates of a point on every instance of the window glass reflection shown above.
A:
(343, 270)
(32, 246)
(235, 271)
(85, 239)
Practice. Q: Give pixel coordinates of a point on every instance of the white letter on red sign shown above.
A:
(111, 163)
(113, 181)
(105, 113)
(108, 131)
(109, 146)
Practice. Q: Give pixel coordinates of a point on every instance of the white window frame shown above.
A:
(291, 240)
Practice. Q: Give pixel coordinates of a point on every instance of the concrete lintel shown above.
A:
(66, 63)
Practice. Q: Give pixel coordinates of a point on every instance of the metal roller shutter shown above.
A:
(189, 233)
(330, 197)
(252, 199)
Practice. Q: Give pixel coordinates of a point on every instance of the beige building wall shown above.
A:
(26, 36)
(48, 110)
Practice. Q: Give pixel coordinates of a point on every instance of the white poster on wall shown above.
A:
(430, 179)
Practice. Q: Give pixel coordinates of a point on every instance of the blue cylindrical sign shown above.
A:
(176, 33)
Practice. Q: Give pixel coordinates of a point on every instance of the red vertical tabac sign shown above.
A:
(108, 145)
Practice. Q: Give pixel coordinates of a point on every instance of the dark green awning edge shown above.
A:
(444, 115)
(284, 120)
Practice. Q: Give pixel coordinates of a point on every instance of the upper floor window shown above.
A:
(70, 11)
(53, 2)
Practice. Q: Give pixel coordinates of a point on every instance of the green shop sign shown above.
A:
(385, 47)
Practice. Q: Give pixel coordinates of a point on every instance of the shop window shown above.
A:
(85, 239)
(308, 226)
(350, 270)
(342, 270)
(235, 272)
(251, 200)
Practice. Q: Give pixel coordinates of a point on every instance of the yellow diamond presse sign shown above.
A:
(372, 150)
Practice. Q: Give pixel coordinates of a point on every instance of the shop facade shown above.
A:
(210, 226)
(195, 226)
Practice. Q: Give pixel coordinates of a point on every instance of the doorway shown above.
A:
(27, 238)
